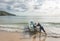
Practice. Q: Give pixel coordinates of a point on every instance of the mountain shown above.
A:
(4, 13)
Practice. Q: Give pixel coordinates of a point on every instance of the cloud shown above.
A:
(51, 8)
(3, 6)
(31, 7)
(20, 5)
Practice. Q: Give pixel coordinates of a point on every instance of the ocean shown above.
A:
(18, 23)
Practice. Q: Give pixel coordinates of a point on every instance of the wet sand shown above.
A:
(14, 36)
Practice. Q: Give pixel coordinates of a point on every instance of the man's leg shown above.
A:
(43, 30)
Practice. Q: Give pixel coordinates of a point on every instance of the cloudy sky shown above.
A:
(31, 7)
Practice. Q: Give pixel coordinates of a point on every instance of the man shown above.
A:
(41, 28)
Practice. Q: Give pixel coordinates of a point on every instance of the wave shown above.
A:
(52, 30)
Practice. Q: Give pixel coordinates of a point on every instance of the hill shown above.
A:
(4, 13)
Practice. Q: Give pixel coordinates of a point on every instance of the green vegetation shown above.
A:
(4, 13)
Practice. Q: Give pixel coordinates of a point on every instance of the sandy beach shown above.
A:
(15, 36)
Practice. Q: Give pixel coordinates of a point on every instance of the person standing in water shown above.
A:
(41, 28)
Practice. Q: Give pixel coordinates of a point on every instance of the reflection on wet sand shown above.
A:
(36, 37)
(43, 38)
(39, 37)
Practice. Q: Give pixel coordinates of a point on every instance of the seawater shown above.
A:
(18, 23)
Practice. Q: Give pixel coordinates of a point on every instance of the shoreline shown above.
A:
(15, 36)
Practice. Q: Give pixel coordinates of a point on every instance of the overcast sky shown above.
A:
(31, 7)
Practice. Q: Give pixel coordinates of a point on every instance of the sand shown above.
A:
(15, 36)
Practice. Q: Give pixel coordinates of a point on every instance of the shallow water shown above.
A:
(13, 23)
